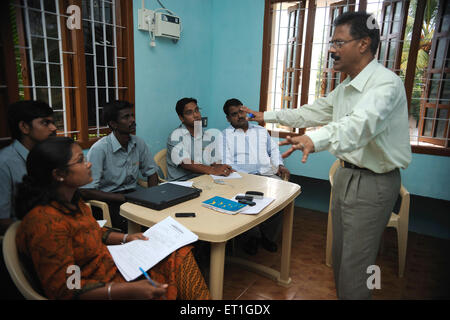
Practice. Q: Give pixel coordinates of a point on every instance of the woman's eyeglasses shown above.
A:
(81, 160)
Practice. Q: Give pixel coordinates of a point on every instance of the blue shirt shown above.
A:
(116, 169)
(252, 151)
(12, 169)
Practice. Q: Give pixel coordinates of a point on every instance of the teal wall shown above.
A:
(237, 35)
(170, 71)
(219, 57)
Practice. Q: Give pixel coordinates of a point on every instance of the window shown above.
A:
(435, 105)
(391, 34)
(285, 57)
(75, 70)
(414, 43)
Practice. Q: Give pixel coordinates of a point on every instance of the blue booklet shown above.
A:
(224, 205)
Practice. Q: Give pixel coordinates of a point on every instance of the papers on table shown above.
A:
(182, 183)
(224, 205)
(233, 175)
(101, 223)
(258, 207)
(164, 238)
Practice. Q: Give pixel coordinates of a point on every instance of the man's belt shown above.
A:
(348, 165)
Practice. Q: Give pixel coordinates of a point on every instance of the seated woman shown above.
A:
(58, 231)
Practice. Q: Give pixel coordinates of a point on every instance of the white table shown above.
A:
(217, 228)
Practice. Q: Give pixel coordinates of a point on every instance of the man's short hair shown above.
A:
(182, 103)
(111, 110)
(361, 25)
(231, 103)
(27, 111)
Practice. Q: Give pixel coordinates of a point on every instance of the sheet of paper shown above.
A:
(233, 175)
(164, 238)
(101, 223)
(182, 183)
(258, 207)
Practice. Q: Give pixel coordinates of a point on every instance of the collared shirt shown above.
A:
(202, 149)
(252, 151)
(12, 169)
(116, 169)
(365, 120)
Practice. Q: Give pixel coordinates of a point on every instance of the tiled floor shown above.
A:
(426, 274)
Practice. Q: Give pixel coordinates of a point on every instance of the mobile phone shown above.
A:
(184, 214)
(248, 198)
(250, 203)
(255, 194)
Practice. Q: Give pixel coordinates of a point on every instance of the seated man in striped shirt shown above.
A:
(249, 148)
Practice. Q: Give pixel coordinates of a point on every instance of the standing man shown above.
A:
(117, 160)
(30, 122)
(249, 148)
(187, 146)
(365, 124)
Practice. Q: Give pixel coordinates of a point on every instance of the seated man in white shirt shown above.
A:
(189, 144)
(249, 148)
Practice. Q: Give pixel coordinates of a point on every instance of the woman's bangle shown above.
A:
(109, 291)
(124, 240)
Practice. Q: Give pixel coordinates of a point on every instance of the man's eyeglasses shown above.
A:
(191, 112)
(339, 43)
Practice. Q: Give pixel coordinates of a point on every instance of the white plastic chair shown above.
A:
(19, 274)
(160, 160)
(105, 210)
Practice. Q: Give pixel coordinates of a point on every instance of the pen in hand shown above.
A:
(147, 276)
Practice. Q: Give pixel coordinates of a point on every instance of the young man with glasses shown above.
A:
(364, 124)
(29, 122)
(192, 151)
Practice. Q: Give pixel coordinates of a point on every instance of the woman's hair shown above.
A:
(39, 186)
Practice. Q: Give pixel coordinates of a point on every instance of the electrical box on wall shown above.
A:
(144, 17)
(159, 24)
(167, 25)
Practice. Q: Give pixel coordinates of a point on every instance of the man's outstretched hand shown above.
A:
(303, 143)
